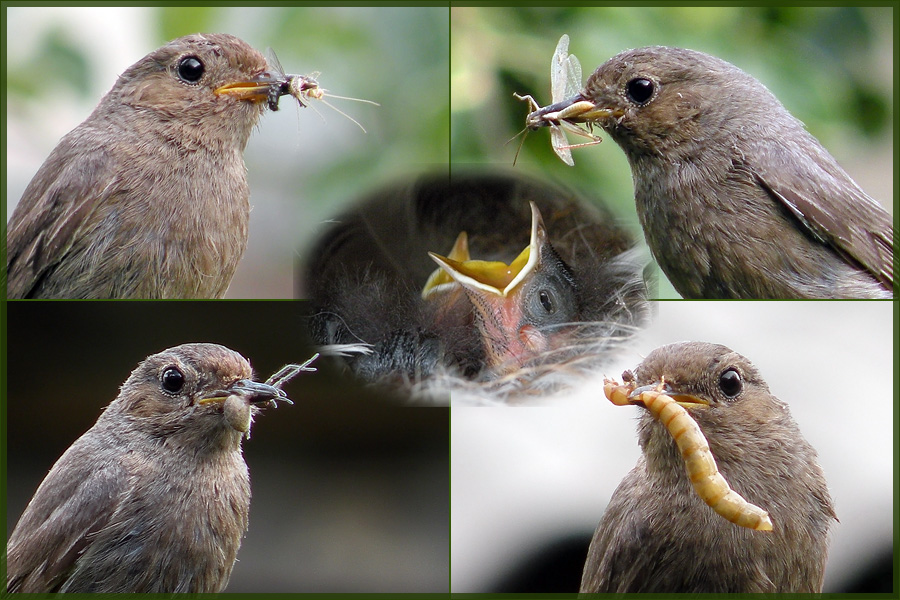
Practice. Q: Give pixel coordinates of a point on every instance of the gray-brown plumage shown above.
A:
(657, 535)
(155, 497)
(736, 198)
(147, 198)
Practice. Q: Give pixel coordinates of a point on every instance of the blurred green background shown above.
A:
(831, 67)
(304, 165)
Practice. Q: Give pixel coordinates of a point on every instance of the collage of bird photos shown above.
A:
(449, 299)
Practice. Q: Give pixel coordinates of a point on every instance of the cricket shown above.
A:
(699, 462)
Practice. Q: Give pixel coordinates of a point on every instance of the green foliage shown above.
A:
(59, 59)
(176, 21)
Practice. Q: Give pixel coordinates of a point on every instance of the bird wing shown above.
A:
(51, 214)
(75, 500)
(836, 212)
(620, 552)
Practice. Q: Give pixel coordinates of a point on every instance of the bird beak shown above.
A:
(492, 287)
(255, 90)
(440, 280)
(495, 278)
(686, 400)
(256, 393)
(576, 109)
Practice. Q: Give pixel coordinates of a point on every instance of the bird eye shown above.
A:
(730, 383)
(172, 380)
(190, 69)
(639, 90)
(547, 301)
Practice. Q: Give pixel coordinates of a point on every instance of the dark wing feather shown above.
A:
(73, 502)
(50, 216)
(837, 212)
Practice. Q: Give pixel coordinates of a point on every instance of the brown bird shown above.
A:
(657, 535)
(155, 497)
(147, 198)
(736, 198)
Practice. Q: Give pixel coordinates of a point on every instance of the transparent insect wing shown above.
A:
(560, 74)
(565, 72)
(279, 87)
(561, 145)
(559, 70)
(573, 77)
(274, 63)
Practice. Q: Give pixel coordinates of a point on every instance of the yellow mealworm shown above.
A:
(699, 462)
(617, 393)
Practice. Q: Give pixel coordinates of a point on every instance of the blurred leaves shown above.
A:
(871, 109)
(174, 22)
(397, 57)
(60, 61)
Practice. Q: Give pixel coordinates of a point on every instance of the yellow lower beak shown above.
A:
(254, 91)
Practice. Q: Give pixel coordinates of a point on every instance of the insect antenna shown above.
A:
(339, 111)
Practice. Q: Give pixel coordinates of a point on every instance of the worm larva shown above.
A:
(699, 462)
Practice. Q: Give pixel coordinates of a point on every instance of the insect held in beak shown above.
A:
(565, 82)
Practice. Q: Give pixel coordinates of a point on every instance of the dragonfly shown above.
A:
(565, 82)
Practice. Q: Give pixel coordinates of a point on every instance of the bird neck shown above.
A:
(663, 459)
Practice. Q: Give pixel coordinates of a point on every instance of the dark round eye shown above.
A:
(172, 380)
(190, 69)
(730, 383)
(547, 301)
(639, 90)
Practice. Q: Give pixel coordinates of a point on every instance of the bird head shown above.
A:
(656, 100)
(195, 392)
(517, 304)
(212, 87)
